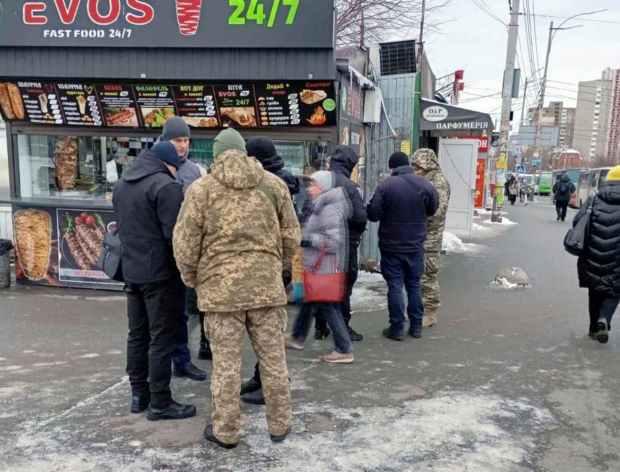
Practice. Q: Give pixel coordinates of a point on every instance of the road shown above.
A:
(508, 380)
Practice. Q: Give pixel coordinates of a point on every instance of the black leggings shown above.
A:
(601, 306)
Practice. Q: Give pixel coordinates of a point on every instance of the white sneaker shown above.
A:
(338, 358)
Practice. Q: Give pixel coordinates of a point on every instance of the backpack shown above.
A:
(564, 188)
(514, 188)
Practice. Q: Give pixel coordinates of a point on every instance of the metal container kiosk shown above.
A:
(84, 91)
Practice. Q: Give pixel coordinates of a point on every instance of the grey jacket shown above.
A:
(327, 227)
(188, 173)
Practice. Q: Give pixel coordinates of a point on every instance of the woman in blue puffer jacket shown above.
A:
(325, 232)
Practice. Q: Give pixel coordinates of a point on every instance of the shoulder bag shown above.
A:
(111, 258)
(577, 237)
(324, 288)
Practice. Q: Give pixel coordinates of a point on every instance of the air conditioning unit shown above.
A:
(372, 106)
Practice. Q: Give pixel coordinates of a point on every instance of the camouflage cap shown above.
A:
(425, 159)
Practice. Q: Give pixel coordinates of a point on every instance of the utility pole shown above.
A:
(541, 102)
(520, 147)
(504, 131)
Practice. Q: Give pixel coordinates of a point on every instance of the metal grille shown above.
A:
(398, 58)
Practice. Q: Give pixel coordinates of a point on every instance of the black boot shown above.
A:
(387, 333)
(321, 333)
(603, 331)
(204, 352)
(415, 332)
(172, 411)
(209, 435)
(140, 401)
(254, 398)
(279, 439)
(250, 386)
(190, 371)
(355, 336)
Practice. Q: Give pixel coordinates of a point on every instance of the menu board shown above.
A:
(80, 105)
(285, 104)
(119, 105)
(238, 105)
(196, 105)
(156, 104)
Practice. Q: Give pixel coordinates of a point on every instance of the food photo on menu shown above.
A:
(11, 102)
(238, 116)
(156, 117)
(33, 243)
(124, 116)
(81, 237)
(197, 122)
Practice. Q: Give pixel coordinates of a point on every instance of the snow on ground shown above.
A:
(503, 284)
(448, 433)
(452, 244)
(369, 293)
(505, 222)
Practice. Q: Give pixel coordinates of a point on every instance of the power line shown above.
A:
(580, 19)
(488, 11)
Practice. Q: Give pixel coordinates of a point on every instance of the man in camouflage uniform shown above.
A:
(236, 230)
(426, 164)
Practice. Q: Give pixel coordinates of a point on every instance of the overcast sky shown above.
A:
(476, 42)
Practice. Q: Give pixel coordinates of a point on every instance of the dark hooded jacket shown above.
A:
(342, 162)
(599, 266)
(402, 203)
(147, 200)
(275, 165)
(564, 189)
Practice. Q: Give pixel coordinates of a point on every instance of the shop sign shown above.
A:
(480, 174)
(61, 247)
(435, 114)
(273, 104)
(483, 142)
(351, 100)
(168, 24)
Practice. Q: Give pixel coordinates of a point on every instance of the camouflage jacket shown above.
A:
(427, 159)
(230, 243)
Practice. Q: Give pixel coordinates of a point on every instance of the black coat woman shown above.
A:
(599, 266)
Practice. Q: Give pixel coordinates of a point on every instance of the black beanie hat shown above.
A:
(261, 148)
(167, 153)
(398, 159)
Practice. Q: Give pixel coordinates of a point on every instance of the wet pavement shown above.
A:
(508, 380)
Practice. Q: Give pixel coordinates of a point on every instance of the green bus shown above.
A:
(544, 184)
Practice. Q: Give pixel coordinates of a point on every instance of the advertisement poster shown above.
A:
(480, 172)
(156, 104)
(237, 105)
(36, 102)
(80, 240)
(80, 105)
(119, 105)
(196, 105)
(60, 247)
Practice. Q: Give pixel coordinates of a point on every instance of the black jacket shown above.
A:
(147, 200)
(599, 266)
(275, 165)
(563, 189)
(343, 161)
(402, 203)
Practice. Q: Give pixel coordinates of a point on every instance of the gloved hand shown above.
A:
(306, 243)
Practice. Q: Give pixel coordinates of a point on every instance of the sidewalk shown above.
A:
(492, 388)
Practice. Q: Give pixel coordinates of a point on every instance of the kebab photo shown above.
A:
(83, 238)
(33, 243)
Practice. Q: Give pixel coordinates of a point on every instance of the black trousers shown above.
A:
(154, 311)
(601, 306)
(345, 306)
(562, 209)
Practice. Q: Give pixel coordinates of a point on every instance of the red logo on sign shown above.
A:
(142, 13)
(188, 16)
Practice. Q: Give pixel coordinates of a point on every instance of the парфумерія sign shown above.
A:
(168, 23)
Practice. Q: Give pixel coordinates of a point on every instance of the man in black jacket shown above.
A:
(147, 200)
(342, 162)
(562, 192)
(402, 203)
(265, 152)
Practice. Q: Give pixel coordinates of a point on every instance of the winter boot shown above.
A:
(321, 333)
(355, 336)
(603, 331)
(209, 435)
(415, 332)
(254, 398)
(250, 386)
(387, 333)
(190, 371)
(140, 401)
(204, 352)
(279, 439)
(172, 411)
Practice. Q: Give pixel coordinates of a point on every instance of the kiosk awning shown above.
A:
(437, 116)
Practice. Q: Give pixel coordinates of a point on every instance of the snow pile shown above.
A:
(505, 222)
(453, 245)
(369, 293)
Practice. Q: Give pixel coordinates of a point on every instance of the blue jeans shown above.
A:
(407, 269)
(331, 313)
(182, 355)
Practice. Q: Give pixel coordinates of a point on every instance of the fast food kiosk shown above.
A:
(85, 87)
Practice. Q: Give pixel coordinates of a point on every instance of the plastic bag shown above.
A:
(5, 246)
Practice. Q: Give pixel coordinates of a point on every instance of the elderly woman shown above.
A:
(325, 244)
(599, 265)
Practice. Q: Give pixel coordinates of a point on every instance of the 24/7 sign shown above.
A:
(168, 23)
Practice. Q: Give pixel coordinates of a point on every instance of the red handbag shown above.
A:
(324, 288)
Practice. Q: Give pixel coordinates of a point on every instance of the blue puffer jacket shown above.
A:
(327, 228)
(402, 203)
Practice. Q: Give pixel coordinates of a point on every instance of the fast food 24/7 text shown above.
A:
(124, 33)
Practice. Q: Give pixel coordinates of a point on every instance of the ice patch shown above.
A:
(28, 352)
(502, 284)
(48, 364)
(89, 356)
(2, 359)
(10, 368)
(453, 245)
(114, 353)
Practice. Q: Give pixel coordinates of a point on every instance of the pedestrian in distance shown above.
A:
(147, 200)
(562, 192)
(599, 264)
(402, 204)
(265, 152)
(235, 232)
(512, 189)
(177, 132)
(341, 163)
(426, 165)
(325, 246)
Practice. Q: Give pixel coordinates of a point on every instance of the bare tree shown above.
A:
(369, 21)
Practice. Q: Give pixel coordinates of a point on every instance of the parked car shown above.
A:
(590, 183)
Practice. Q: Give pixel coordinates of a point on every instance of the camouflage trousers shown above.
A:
(226, 332)
(430, 287)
